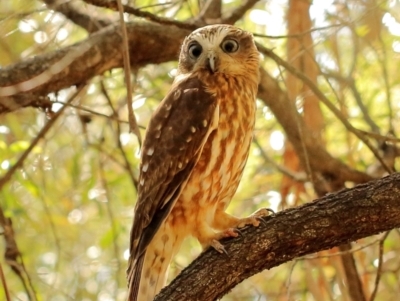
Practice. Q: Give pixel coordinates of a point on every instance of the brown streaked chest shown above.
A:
(220, 166)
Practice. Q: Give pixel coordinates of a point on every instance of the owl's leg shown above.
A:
(227, 224)
(223, 220)
(209, 238)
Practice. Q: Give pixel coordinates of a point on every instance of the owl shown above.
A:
(195, 149)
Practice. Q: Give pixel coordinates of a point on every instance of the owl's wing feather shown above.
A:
(174, 140)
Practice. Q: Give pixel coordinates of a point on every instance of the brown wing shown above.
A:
(174, 140)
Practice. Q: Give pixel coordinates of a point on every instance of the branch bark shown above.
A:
(78, 63)
(332, 220)
(79, 14)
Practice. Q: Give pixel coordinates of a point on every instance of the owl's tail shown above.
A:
(148, 275)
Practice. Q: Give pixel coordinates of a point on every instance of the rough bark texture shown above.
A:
(330, 221)
(80, 62)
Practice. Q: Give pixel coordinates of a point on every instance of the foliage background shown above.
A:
(71, 204)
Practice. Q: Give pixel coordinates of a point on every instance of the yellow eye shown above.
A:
(230, 46)
(195, 50)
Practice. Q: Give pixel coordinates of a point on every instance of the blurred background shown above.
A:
(69, 206)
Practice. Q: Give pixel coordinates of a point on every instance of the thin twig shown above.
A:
(35, 141)
(239, 12)
(81, 108)
(289, 280)
(118, 139)
(301, 34)
(379, 269)
(13, 256)
(4, 282)
(350, 82)
(325, 101)
(299, 177)
(41, 192)
(381, 137)
(353, 250)
(115, 5)
(133, 126)
(113, 224)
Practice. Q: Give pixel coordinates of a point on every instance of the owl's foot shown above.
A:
(255, 218)
(218, 246)
(213, 240)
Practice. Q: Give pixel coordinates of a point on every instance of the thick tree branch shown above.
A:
(333, 220)
(80, 62)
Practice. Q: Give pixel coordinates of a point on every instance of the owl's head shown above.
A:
(219, 49)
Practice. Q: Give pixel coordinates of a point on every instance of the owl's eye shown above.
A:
(230, 46)
(195, 50)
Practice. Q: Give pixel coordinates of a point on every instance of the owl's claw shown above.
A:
(214, 240)
(255, 218)
(218, 247)
(238, 232)
(261, 218)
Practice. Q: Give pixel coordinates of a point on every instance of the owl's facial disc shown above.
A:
(219, 49)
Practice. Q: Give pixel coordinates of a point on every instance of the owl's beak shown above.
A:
(212, 62)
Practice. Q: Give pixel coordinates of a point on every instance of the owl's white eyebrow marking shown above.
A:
(145, 167)
(150, 151)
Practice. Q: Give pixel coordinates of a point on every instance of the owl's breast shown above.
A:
(217, 174)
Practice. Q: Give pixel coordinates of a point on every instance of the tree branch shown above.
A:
(80, 62)
(238, 13)
(78, 14)
(333, 220)
(304, 143)
(113, 5)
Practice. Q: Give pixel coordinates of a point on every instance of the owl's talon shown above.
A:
(267, 212)
(270, 210)
(239, 232)
(261, 220)
(256, 218)
(218, 247)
